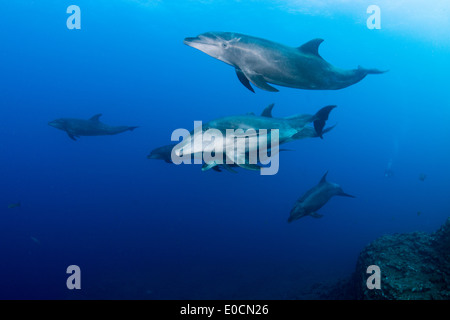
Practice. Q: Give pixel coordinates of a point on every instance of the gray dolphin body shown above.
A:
(162, 153)
(316, 198)
(165, 153)
(259, 61)
(290, 129)
(91, 127)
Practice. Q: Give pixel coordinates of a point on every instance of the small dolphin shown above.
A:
(260, 61)
(162, 153)
(14, 205)
(316, 198)
(91, 127)
(165, 153)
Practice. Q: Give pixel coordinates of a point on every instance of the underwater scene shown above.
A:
(225, 150)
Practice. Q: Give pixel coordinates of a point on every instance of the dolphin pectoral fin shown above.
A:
(243, 79)
(258, 80)
(316, 215)
(248, 166)
(71, 136)
(208, 166)
(228, 168)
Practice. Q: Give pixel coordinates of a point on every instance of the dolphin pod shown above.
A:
(90, 127)
(260, 62)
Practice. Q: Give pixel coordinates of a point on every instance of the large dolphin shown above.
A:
(91, 127)
(165, 152)
(289, 129)
(260, 61)
(316, 198)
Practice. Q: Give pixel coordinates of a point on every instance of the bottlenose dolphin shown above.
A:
(289, 129)
(162, 153)
(260, 61)
(91, 127)
(316, 198)
(165, 153)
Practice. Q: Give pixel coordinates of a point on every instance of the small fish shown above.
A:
(422, 177)
(419, 213)
(14, 205)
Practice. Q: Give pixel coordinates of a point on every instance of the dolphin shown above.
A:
(91, 127)
(165, 153)
(316, 198)
(260, 62)
(162, 153)
(290, 128)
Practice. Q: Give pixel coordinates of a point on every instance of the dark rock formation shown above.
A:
(413, 266)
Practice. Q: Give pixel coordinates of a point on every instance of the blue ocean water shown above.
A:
(145, 229)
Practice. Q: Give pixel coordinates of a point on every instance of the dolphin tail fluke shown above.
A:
(328, 129)
(320, 118)
(248, 166)
(215, 166)
(343, 194)
(371, 71)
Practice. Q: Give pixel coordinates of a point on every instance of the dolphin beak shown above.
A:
(189, 40)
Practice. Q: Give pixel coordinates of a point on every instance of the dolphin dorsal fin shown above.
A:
(96, 117)
(311, 47)
(324, 178)
(267, 112)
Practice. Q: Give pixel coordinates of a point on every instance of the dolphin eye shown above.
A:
(224, 45)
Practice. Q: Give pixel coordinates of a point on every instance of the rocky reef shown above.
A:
(413, 266)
